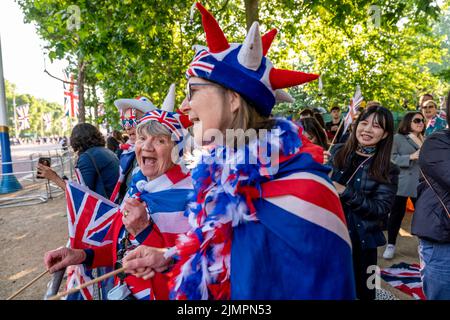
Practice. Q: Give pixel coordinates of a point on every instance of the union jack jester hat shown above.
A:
(175, 122)
(244, 67)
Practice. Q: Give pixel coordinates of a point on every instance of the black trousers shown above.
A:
(396, 217)
(362, 260)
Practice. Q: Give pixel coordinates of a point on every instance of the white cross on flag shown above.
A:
(22, 116)
(353, 108)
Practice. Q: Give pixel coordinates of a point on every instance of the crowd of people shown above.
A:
(240, 224)
(39, 140)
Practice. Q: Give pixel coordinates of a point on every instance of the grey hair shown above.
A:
(153, 128)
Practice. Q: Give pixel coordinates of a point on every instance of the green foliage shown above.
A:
(38, 107)
(134, 48)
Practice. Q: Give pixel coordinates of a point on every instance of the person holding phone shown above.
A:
(97, 166)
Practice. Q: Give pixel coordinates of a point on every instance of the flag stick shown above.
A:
(87, 284)
(27, 285)
(337, 131)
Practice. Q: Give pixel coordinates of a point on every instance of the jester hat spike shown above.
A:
(244, 67)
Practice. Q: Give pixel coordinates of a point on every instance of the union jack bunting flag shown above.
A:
(89, 218)
(47, 121)
(354, 106)
(23, 117)
(70, 96)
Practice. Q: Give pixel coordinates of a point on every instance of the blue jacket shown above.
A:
(108, 167)
(430, 221)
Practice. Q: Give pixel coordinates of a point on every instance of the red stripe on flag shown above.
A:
(83, 221)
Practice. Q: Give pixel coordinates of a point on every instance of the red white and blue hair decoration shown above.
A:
(176, 122)
(243, 67)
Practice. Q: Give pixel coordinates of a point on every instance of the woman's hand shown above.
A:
(135, 217)
(326, 156)
(144, 261)
(47, 173)
(339, 187)
(415, 155)
(63, 257)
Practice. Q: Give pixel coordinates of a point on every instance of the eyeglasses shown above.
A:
(189, 88)
(429, 107)
(417, 120)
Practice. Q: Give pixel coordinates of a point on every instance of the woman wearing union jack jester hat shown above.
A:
(266, 220)
(152, 212)
(131, 110)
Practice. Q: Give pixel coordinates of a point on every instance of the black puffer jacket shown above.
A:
(430, 221)
(366, 202)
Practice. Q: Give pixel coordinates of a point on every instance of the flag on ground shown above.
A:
(406, 278)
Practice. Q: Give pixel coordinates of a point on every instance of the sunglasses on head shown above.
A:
(417, 120)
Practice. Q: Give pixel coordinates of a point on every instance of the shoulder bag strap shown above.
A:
(440, 200)
(98, 171)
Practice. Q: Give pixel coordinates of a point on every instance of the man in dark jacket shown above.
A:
(431, 220)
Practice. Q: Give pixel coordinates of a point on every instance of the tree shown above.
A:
(133, 48)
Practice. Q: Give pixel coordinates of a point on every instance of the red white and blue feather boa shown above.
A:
(222, 200)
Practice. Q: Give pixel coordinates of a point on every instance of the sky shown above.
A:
(23, 56)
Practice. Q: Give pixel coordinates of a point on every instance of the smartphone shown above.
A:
(46, 162)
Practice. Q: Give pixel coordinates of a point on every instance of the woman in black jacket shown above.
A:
(366, 181)
(431, 219)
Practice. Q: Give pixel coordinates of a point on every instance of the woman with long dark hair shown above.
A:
(314, 132)
(366, 181)
(405, 154)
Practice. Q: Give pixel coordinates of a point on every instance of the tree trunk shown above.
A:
(80, 84)
(95, 102)
(251, 12)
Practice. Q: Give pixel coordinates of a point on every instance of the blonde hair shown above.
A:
(249, 122)
(247, 117)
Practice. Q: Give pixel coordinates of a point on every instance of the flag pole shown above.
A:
(87, 284)
(334, 138)
(27, 285)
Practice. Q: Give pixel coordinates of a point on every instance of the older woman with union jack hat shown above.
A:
(266, 219)
(152, 212)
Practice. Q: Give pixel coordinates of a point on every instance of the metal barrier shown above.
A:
(37, 190)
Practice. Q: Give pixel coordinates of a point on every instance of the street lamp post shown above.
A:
(8, 182)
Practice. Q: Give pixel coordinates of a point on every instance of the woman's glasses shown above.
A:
(190, 85)
(417, 120)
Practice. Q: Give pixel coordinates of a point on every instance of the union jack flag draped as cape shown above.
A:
(264, 230)
(89, 219)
